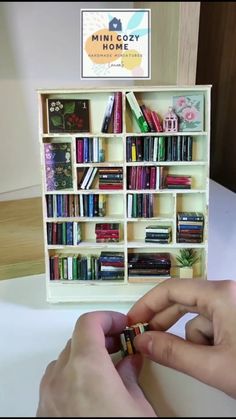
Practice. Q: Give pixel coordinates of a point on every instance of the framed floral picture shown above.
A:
(190, 112)
(68, 115)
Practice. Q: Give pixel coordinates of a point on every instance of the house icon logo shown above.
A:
(115, 25)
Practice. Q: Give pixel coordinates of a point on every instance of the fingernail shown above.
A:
(143, 343)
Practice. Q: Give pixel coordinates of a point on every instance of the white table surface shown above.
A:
(34, 332)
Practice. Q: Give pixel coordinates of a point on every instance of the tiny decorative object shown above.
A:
(170, 121)
(186, 261)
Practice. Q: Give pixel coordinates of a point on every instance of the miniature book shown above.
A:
(108, 114)
(128, 335)
(58, 166)
(68, 115)
(137, 112)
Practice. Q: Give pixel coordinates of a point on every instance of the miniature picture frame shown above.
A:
(190, 111)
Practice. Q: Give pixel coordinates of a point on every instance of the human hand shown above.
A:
(209, 351)
(84, 381)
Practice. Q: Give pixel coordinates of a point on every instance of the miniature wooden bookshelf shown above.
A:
(73, 212)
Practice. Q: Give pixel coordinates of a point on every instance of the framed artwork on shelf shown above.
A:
(189, 109)
(68, 115)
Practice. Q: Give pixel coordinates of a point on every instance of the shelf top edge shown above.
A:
(123, 88)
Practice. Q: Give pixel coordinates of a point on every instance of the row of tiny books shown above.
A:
(107, 266)
(72, 115)
(66, 205)
(128, 335)
(190, 227)
(112, 120)
(58, 172)
(154, 177)
(107, 232)
(140, 205)
(158, 234)
(189, 110)
(148, 120)
(149, 264)
(90, 150)
(65, 233)
(178, 181)
(109, 177)
(68, 233)
(138, 177)
(161, 148)
(145, 177)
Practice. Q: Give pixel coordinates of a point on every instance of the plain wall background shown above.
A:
(40, 48)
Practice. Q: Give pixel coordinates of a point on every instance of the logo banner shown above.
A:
(115, 44)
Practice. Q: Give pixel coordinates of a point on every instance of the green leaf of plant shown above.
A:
(56, 120)
(69, 107)
(187, 257)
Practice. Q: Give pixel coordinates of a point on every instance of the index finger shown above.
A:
(92, 328)
(194, 293)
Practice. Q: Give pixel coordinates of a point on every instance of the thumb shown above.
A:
(198, 361)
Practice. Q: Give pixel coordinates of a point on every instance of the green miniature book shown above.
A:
(136, 110)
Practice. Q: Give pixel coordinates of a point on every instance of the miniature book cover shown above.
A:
(68, 115)
(190, 112)
(58, 167)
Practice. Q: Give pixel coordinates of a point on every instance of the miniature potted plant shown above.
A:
(186, 261)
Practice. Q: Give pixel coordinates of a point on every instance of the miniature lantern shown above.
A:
(170, 121)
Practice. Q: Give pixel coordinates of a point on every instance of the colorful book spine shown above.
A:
(92, 177)
(102, 205)
(108, 114)
(129, 149)
(133, 150)
(136, 110)
(189, 148)
(101, 150)
(156, 121)
(139, 149)
(86, 150)
(117, 115)
(148, 117)
(128, 335)
(161, 148)
(95, 150)
(80, 150)
(86, 178)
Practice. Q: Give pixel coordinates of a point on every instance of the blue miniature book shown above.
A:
(190, 112)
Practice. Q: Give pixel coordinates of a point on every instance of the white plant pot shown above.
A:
(186, 272)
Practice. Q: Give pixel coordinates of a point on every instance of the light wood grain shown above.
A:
(188, 42)
(217, 64)
(21, 232)
(174, 42)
